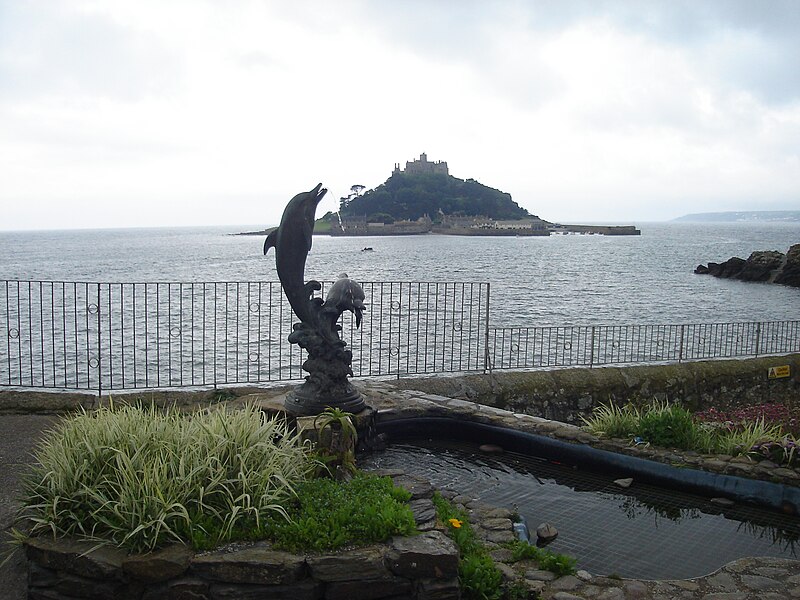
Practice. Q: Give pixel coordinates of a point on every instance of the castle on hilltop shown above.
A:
(423, 167)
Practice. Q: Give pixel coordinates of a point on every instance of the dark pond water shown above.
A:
(643, 532)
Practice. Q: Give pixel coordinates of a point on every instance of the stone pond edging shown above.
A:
(393, 404)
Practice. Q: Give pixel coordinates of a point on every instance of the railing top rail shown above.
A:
(230, 281)
(624, 325)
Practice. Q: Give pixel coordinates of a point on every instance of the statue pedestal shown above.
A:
(307, 400)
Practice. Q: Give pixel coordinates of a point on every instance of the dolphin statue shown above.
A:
(345, 294)
(292, 242)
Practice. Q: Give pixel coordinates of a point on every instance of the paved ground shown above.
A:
(18, 436)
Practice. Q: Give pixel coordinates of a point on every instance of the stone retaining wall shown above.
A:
(560, 395)
(564, 395)
(423, 566)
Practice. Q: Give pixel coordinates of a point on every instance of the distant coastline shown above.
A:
(743, 216)
(475, 231)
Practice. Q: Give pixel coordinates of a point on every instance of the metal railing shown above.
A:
(112, 336)
(527, 347)
(117, 336)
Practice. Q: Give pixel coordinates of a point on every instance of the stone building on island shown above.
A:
(423, 167)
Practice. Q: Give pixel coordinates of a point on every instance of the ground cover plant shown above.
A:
(477, 572)
(479, 577)
(788, 417)
(140, 477)
(560, 564)
(327, 514)
(672, 426)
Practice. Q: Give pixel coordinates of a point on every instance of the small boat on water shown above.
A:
(367, 249)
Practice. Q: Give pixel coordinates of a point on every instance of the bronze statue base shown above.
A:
(304, 401)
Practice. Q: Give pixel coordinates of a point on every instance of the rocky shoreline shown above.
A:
(769, 266)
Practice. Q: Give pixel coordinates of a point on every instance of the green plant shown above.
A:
(479, 577)
(667, 425)
(139, 477)
(745, 436)
(329, 514)
(670, 425)
(517, 590)
(782, 452)
(337, 438)
(560, 564)
(613, 421)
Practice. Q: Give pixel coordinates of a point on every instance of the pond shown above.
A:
(643, 532)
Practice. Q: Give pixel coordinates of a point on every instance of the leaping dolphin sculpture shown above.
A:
(292, 242)
(329, 362)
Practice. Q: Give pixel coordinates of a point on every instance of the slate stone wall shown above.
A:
(422, 566)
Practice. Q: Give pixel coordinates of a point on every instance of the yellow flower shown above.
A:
(455, 523)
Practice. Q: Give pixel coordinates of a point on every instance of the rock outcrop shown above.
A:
(790, 274)
(768, 266)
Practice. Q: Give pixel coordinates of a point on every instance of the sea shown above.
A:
(559, 280)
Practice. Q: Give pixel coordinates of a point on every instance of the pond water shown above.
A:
(643, 532)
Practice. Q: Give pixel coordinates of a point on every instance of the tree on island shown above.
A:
(410, 196)
(355, 191)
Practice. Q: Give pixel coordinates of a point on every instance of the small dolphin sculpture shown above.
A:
(292, 242)
(345, 294)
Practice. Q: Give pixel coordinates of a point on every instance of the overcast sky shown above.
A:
(156, 113)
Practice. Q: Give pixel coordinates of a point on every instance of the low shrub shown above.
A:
(667, 425)
(741, 439)
(329, 514)
(140, 477)
(785, 416)
(782, 452)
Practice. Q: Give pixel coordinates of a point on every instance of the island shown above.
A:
(424, 198)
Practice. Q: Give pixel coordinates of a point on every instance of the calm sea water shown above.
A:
(558, 280)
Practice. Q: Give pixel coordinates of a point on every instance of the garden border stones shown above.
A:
(404, 567)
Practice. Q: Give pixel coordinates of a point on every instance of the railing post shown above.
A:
(486, 358)
(591, 350)
(680, 347)
(99, 347)
(758, 337)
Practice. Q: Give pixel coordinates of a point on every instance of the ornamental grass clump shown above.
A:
(670, 425)
(140, 477)
(613, 421)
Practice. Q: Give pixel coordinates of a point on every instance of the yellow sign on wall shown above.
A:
(778, 372)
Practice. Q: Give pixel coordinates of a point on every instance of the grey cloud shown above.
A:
(44, 50)
(456, 31)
